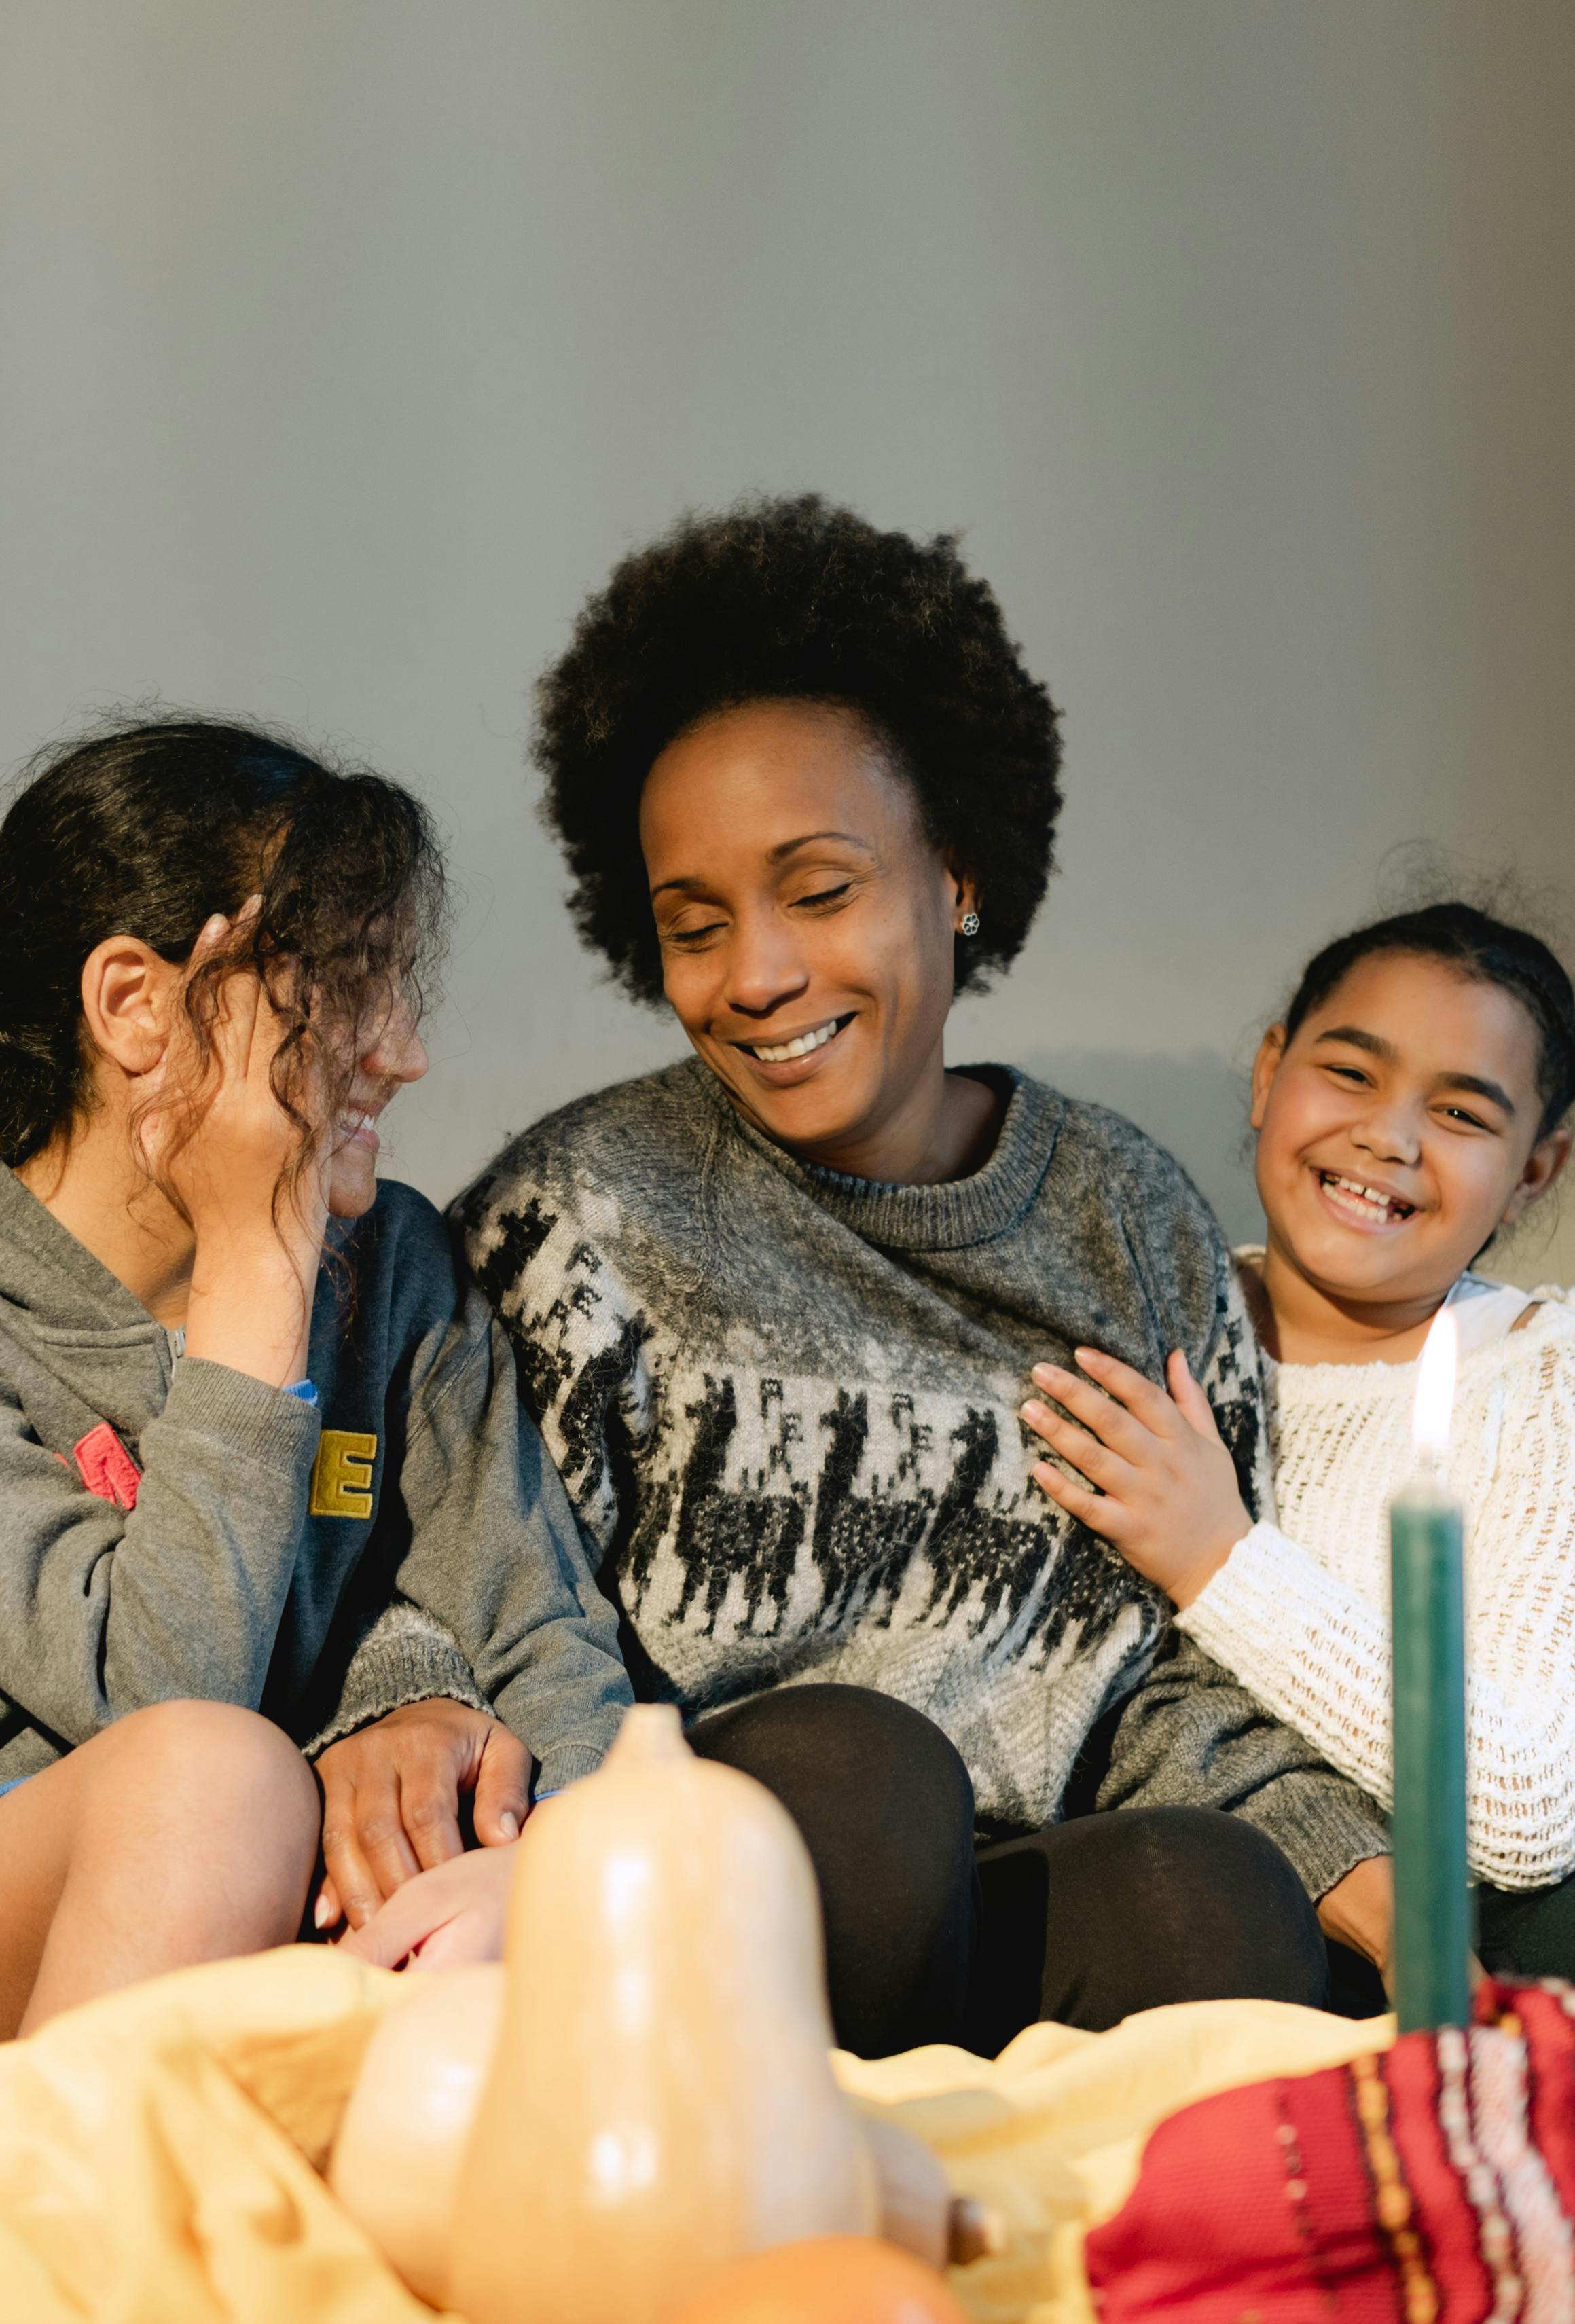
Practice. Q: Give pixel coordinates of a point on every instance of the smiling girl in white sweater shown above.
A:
(1409, 1105)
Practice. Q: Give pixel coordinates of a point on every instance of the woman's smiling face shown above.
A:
(1399, 1128)
(806, 924)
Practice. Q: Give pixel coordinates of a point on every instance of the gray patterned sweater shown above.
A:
(785, 1406)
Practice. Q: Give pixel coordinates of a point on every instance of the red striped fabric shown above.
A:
(1433, 2184)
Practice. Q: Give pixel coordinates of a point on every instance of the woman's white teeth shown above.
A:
(1368, 1196)
(801, 1047)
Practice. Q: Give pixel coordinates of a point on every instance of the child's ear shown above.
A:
(1542, 1165)
(1265, 1067)
(126, 995)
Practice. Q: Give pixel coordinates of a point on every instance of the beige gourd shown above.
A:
(401, 2138)
(397, 2160)
(662, 2099)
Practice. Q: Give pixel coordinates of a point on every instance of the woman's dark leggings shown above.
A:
(929, 1940)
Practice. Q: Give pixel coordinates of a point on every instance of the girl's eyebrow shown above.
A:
(1359, 1038)
(1482, 1088)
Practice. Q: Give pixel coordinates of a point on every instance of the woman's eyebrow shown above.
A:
(780, 853)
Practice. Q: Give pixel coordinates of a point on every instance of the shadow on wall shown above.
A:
(1196, 1107)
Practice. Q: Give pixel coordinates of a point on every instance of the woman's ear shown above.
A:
(127, 989)
(1265, 1067)
(966, 896)
(1542, 1165)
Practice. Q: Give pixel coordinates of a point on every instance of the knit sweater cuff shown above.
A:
(405, 1658)
(1239, 1602)
(1323, 1824)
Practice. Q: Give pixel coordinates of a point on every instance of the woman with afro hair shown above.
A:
(777, 1308)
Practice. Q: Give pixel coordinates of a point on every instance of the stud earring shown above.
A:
(968, 925)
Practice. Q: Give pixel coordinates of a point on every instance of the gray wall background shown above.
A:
(346, 343)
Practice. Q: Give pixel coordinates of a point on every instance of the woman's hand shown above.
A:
(258, 1231)
(391, 1801)
(1167, 1496)
(443, 1918)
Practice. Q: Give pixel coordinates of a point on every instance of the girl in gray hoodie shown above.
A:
(266, 1485)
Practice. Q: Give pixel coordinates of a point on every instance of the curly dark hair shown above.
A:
(792, 599)
(147, 830)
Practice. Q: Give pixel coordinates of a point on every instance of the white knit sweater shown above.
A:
(1301, 1615)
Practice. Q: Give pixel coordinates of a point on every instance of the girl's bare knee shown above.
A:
(216, 1763)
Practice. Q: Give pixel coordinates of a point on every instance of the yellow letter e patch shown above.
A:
(342, 1474)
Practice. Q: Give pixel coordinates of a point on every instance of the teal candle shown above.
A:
(1432, 1916)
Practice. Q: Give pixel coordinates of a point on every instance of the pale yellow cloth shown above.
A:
(159, 2150)
(1051, 2132)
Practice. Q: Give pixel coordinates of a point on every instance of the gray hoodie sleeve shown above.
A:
(104, 1610)
(496, 1557)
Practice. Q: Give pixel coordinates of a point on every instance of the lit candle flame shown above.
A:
(1435, 1390)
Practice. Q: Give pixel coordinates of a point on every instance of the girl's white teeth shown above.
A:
(1369, 1195)
(801, 1047)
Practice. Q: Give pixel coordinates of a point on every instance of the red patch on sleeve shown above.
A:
(106, 1467)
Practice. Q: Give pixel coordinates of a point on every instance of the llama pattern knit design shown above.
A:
(1300, 1610)
(784, 1404)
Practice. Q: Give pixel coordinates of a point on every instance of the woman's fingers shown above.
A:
(428, 1809)
(365, 1851)
(327, 1912)
(502, 1789)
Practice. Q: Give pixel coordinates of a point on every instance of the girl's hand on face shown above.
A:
(257, 1225)
(1168, 1495)
(229, 1168)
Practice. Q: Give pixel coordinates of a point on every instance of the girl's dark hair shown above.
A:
(1487, 950)
(147, 830)
(795, 599)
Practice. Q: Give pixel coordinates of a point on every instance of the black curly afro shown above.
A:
(792, 599)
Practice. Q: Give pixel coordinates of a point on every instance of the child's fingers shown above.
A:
(1096, 1460)
(1147, 1403)
(209, 936)
(502, 1789)
(235, 1024)
(1110, 1422)
(398, 1928)
(1098, 1511)
(1191, 1401)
